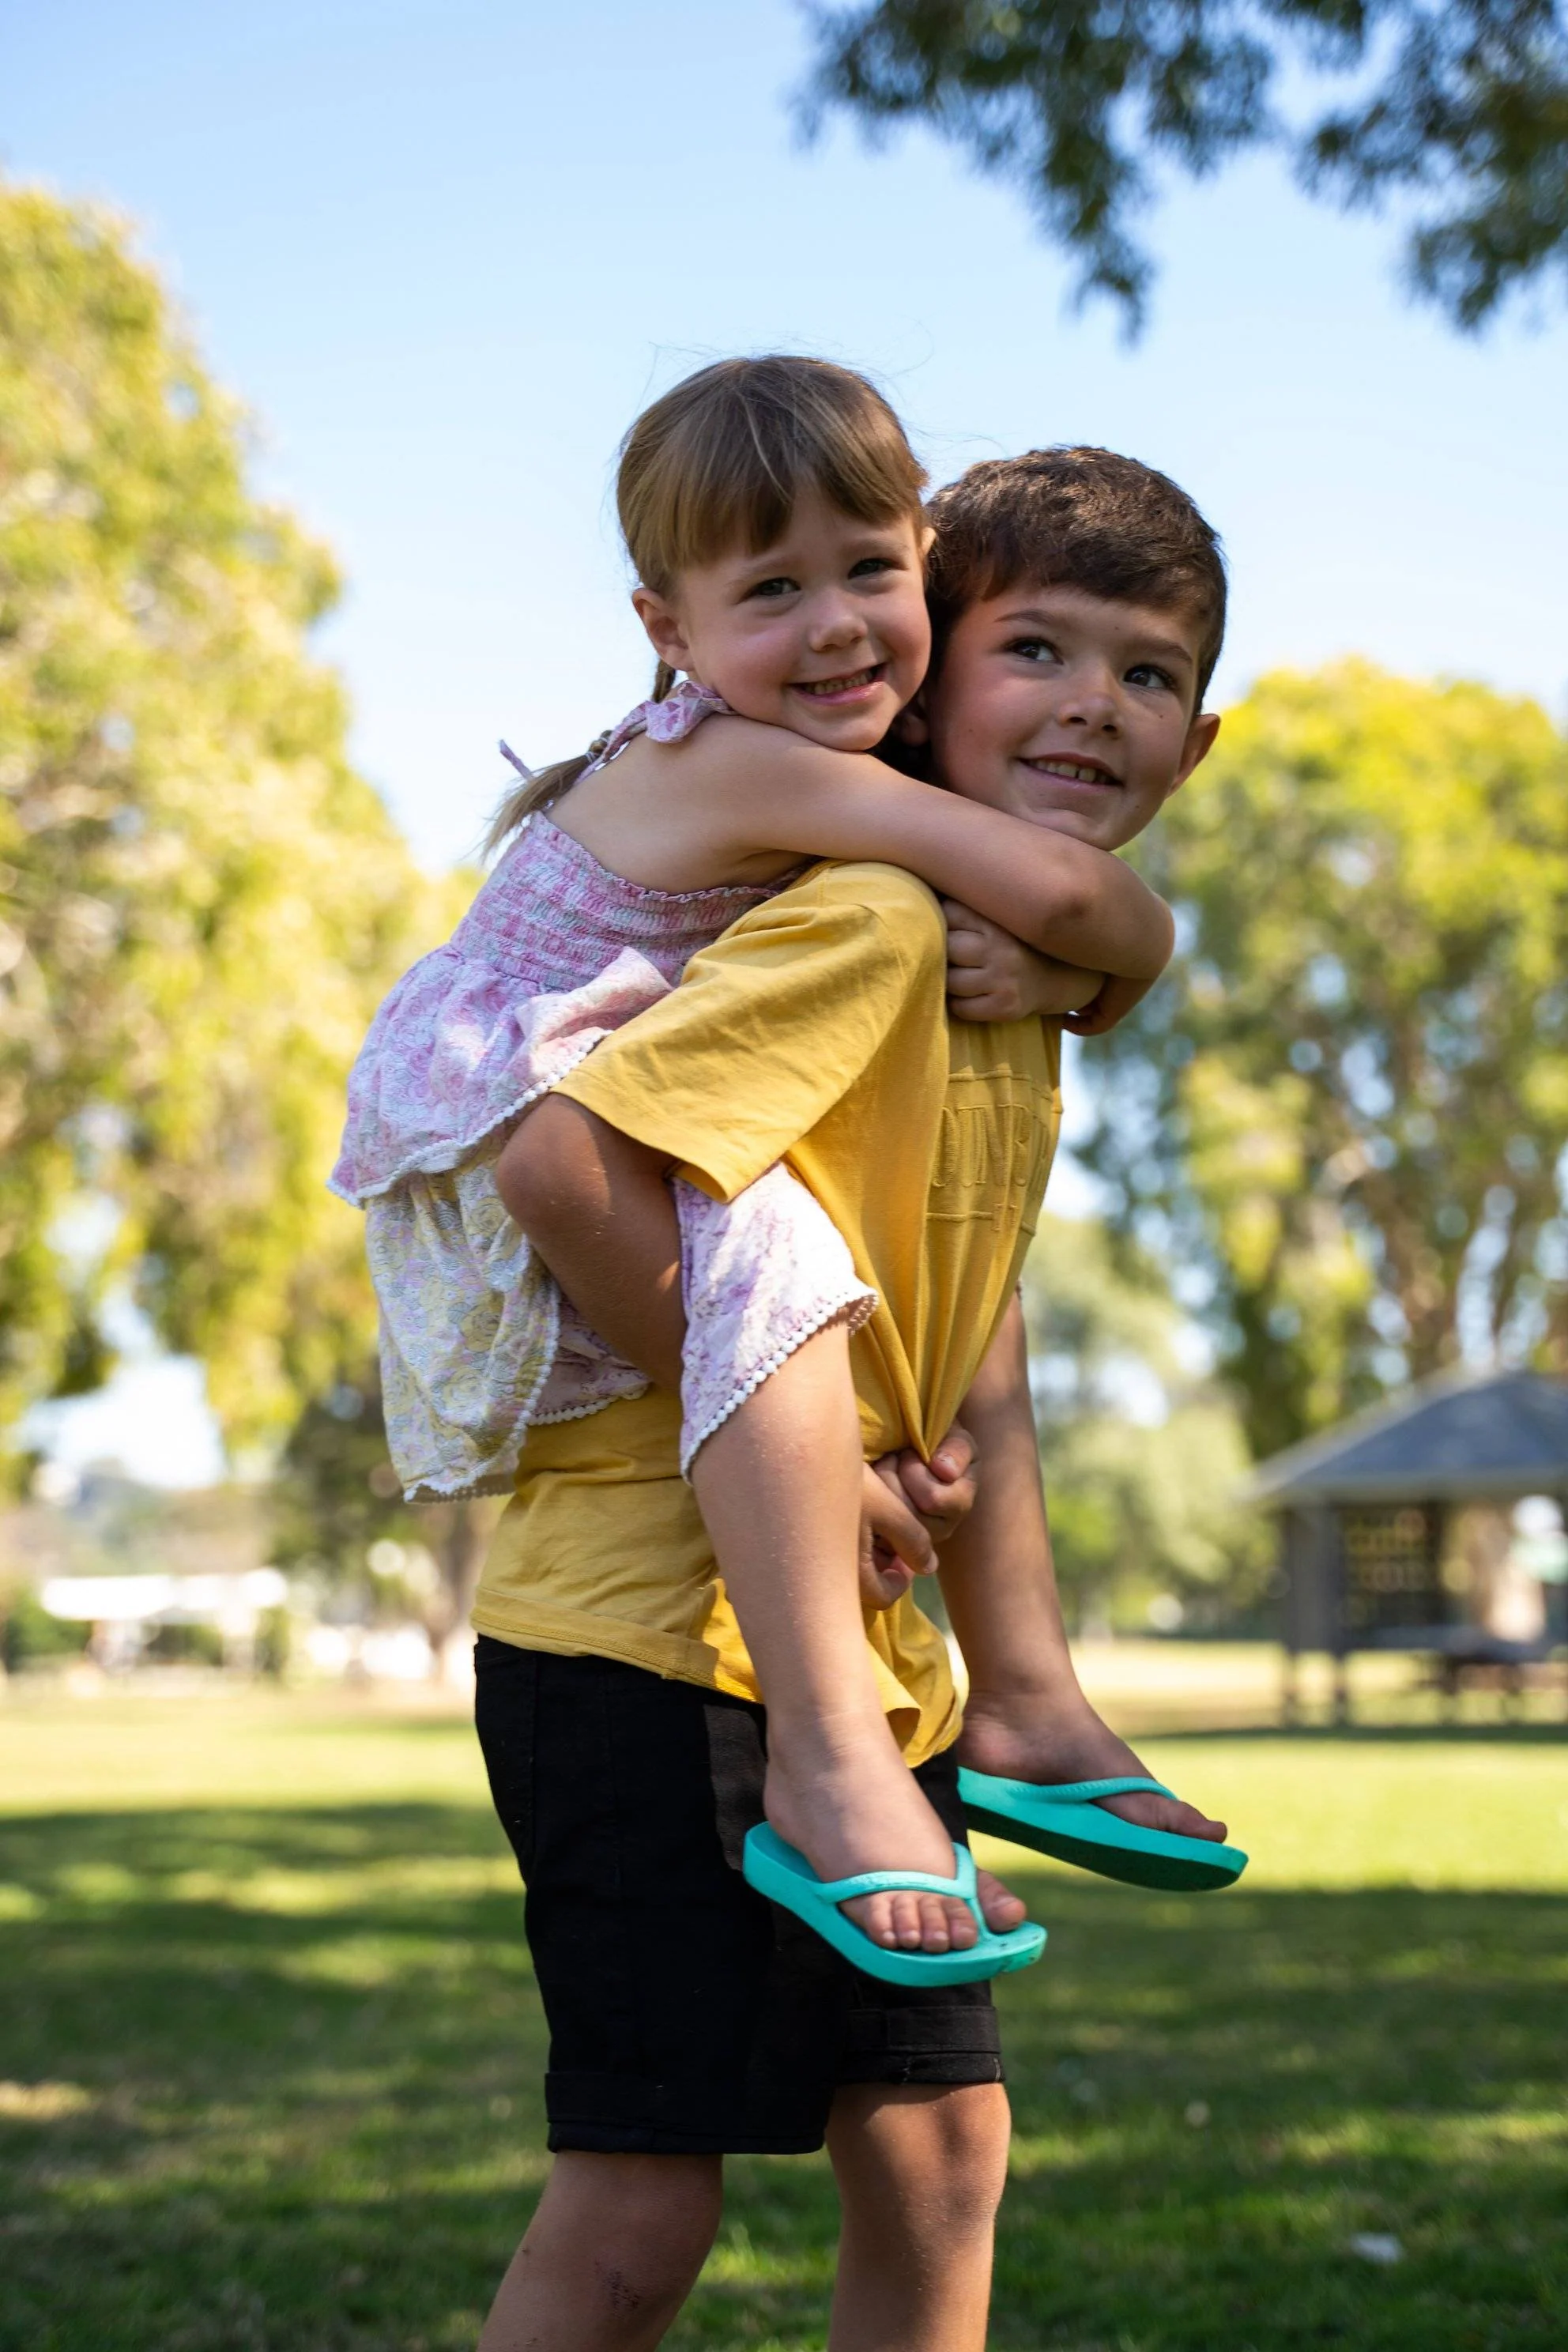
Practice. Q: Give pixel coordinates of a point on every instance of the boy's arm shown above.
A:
(1026, 1716)
(998, 1577)
(767, 789)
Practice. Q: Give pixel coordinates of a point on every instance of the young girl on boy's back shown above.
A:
(771, 509)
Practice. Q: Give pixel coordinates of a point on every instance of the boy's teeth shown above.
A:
(1072, 772)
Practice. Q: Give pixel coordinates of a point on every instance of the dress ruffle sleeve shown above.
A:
(760, 1275)
(458, 1050)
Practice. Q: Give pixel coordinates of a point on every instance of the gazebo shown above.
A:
(1395, 1531)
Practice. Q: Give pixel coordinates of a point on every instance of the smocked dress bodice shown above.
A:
(555, 951)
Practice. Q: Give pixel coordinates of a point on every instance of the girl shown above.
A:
(771, 511)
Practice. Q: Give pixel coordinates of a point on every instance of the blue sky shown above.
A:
(446, 251)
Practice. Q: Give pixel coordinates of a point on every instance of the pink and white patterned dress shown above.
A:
(477, 1343)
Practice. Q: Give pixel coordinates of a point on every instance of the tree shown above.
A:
(1462, 104)
(1143, 1453)
(336, 1496)
(202, 901)
(1347, 1105)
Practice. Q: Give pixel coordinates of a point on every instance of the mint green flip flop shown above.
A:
(785, 1876)
(1067, 1822)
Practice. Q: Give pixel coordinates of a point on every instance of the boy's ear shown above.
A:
(1196, 749)
(662, 622)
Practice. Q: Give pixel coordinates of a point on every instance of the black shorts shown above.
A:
(688, 2015)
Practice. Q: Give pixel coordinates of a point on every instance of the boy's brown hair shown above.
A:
(1081, 518)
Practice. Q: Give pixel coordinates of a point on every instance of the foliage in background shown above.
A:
(1349, 1101)
(336, 1499)
(336, 1492)
(201, 902)
(1142, 1453)
(1461, 104)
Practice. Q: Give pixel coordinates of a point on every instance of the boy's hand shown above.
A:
(992, 976)
(907, 1506)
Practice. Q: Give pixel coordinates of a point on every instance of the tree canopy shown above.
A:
(1460, 107)
(201, 900)
(1348, 1103)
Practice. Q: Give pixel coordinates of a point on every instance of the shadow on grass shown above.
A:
(271, 2081)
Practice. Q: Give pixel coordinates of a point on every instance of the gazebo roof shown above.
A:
(1454, 1438)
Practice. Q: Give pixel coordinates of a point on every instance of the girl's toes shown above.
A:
(1187, 1821)
(936, 1924)
(873, 1915)
(1002, 1908)
(908, 1922)
(960, 1926)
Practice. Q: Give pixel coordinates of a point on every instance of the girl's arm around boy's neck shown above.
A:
(738, 791)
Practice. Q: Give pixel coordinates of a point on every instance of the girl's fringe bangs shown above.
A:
(724, 459)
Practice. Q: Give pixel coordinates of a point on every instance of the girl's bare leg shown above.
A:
(779, 1485)
(920, 2173)
(612, 2252)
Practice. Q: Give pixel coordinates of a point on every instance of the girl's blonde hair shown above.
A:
(719, 463)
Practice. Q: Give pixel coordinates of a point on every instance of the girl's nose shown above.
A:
(836, 622)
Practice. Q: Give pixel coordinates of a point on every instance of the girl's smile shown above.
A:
(858, 686)
(825, 632)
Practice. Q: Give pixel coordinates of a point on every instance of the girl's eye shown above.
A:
(780, 586)
(1031, 648)
(869, 565)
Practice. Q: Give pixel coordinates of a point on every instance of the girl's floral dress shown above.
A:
(477, 1342)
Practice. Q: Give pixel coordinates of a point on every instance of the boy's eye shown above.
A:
(1151, 673)
(781, 585)
(1031, 648)
(869, 565)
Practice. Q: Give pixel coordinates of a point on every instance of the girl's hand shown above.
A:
(1114, 1003)
(907, 1506)
(941, 1492)
(992, 976)
(894, 1547)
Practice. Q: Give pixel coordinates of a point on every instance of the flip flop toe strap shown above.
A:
(909, 1882)
(1087, 1792)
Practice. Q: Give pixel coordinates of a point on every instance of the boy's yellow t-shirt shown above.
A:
(815, 1031)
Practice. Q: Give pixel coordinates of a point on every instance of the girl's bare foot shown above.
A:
(844, 1797)
(1032, 1735)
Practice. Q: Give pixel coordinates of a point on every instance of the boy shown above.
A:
(1078, 604)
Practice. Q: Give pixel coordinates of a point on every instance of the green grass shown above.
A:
(270, 2052)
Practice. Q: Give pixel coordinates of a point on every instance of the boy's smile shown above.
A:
(1068, 709)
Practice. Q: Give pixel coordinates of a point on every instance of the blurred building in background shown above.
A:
(1434, 1526)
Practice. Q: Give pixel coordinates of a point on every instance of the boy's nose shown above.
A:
(1090, 703)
